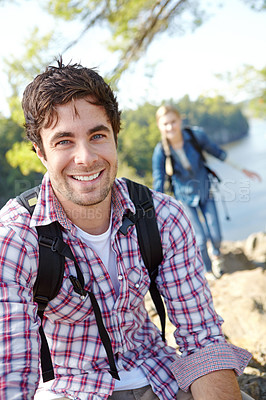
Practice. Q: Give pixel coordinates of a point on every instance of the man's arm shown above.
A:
(19, 335)
(218, 385)
(190, 307)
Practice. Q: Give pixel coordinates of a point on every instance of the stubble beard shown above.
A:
(69, 193)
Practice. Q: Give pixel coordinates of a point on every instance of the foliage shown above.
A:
(253, 81)
(21, 71)
(257, 5)
(138, 138)
(21, 155)
(222, 121)
(12, 181)
(133, 23)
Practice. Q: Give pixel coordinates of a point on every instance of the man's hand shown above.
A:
(218, 385)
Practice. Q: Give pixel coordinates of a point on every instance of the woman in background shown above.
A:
(179, 157)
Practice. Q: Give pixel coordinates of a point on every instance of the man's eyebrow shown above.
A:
(99, 128)
(61, 134)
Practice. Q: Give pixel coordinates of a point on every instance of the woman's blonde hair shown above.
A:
(163, 110)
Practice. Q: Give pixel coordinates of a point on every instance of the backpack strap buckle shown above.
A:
(143, 208)
(46, 241)
(42, 302)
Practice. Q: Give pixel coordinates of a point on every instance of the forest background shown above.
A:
(130, 26)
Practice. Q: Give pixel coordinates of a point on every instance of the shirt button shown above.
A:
(120, 277)
(137, 285)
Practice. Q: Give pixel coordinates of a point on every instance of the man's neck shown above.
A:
(93, 219)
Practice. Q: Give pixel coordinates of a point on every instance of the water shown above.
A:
(244, 199)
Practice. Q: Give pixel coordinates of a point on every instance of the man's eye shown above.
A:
(62, 142)
(97, 136)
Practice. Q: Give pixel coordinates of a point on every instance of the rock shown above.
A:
(240, 298)
(255, 247)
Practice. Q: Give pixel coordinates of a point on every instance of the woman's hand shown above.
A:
(252, 175)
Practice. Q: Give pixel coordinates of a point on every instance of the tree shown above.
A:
(12, 181)
(134, 24)
(138, 138)
(222, 121)
(257, 5)
(253, 81)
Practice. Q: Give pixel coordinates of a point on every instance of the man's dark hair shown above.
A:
(59, 85)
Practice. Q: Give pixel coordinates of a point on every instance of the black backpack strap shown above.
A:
(195, 143)
(198, 147)
(52, 246)
(149, 239)
(47, 285)
(28, 199)
(51, 263)
(50, 274)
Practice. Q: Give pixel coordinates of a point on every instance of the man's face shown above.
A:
(170, 126)
(80, 154)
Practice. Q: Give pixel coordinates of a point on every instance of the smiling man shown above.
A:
(72, 119)
(79, 152)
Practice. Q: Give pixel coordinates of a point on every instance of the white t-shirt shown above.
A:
(183, 158)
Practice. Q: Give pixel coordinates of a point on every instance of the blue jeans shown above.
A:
(206, 227)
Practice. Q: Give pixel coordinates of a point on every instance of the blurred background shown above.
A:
(205, 57)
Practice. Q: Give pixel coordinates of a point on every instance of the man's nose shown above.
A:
(85, 154)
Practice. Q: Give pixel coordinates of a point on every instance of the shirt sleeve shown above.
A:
(209, 359)
(158, 168)
(189, 304)
(19, 337)
(208, 145)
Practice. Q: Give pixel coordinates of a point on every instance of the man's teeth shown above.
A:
(85, 177)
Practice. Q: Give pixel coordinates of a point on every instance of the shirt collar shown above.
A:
(48, 208)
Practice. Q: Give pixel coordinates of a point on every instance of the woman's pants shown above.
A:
(206, 227)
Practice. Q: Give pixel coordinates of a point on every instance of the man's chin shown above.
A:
(90, 199)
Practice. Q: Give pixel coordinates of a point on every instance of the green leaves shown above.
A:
(21, 155)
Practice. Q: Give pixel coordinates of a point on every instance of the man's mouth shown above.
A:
(86, 177)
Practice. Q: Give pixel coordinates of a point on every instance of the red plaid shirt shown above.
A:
(79, 358)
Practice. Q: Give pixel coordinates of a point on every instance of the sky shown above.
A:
(233, 36)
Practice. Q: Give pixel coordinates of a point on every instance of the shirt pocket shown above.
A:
(138, 284)
(68, 305)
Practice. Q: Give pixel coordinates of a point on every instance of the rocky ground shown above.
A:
(240, 298)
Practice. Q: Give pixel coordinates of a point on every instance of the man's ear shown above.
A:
(40, 155)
